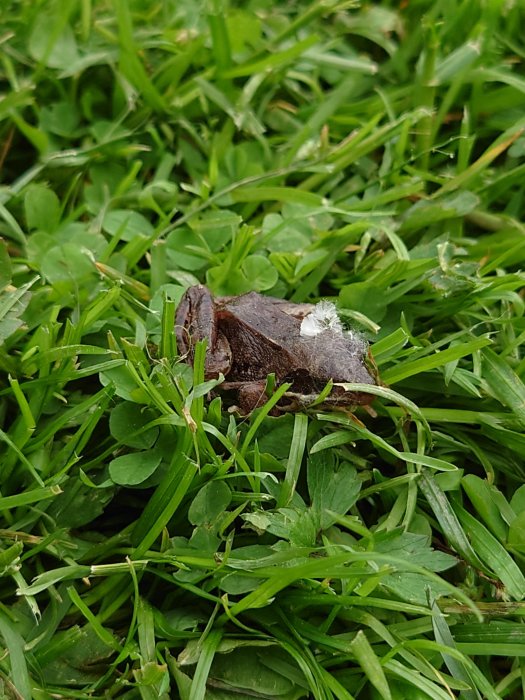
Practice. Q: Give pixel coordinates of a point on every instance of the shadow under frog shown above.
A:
(251, 336)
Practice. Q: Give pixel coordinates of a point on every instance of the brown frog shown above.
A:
(251, 336)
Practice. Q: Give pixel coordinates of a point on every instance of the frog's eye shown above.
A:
(323, 318)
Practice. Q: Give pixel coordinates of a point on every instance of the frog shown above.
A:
(252, 336)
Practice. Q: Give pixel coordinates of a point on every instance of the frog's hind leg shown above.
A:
(250, 395)
(197, 320)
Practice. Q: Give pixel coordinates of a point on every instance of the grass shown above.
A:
(153, 545)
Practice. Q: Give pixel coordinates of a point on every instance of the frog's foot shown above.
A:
(250, 395)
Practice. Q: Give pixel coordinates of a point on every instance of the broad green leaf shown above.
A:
(211, 501)
(259, 672)
(414, 588)
(226, 283)
(52, 41)
(517, 502)
(238, 584)
(304, 530)
(127, 422)
(216, 227)
(80, 650)
(60, 118)
(68, 267)
(259, 272)
(125, 383)
(134, 468)
(42, 208)
(79, 234)
(299, 526)
(126, 224)
(367, 298)
(414, 547)
(283, 235)
(78, 504)
(108, 132)
(185, 249)
(332, 487)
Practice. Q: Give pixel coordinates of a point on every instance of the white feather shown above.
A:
(323, 318)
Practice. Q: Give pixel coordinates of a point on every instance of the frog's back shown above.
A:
(265, 338)
(261, 336)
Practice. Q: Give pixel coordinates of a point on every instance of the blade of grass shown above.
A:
(14, 643)
(28, 497)
(167, 498)
(493, 554)
(103, 634)
(219, 34)
(457, 669)
(450, 525)
(504, 384)
(370, 664)
(261, 415)
(293, 465)
(496, 149)
(273, 61)
(130, 63)
(424, 364)
(208, 648)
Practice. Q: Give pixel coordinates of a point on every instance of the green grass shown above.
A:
(154, 545)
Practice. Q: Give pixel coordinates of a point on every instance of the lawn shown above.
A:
(156, 543)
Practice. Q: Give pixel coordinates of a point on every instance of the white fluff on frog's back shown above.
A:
(338, 353)
(323, 318)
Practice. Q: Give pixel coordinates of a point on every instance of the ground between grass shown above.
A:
(154, 545)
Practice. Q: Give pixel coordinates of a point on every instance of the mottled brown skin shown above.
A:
(252, 336)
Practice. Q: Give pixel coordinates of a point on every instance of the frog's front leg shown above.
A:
(197, 320)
